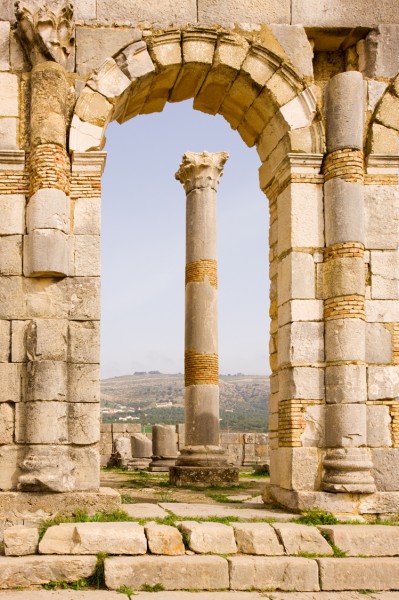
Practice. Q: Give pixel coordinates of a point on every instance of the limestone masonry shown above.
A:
(314, 86)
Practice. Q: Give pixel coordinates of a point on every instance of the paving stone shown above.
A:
(143, 510)
(164, 539)
(173, 572)
(204, 538)
(20, 541)
(267, 573)
(36, 570)
(298, 538)
(183, 509)
(359, 573)
(364, 540)
(257, 538)
(92, 538)
(62, 595)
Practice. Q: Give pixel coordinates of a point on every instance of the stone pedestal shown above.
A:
(164, 448)
(141, 452)
(202, 453)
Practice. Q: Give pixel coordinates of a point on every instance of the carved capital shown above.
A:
(201, 169)
(46, 30)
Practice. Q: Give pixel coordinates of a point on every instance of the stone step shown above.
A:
(107, 595)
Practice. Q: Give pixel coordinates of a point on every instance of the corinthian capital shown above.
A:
(46, 30)
(201, 169)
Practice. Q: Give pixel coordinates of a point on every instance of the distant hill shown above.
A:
(154, 397)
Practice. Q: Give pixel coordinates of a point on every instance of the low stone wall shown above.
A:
(243, 449)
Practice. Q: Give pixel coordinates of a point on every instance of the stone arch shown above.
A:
(255, 88)
(383, 132)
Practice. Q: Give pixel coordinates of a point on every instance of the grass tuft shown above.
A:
(316, 516)
(158, 587)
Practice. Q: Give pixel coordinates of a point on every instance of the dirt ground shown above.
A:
(142, 486)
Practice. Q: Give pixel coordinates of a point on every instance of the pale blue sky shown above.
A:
(143, 245)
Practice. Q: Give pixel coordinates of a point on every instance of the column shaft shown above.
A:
(346, 465)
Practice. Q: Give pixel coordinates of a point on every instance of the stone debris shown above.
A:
(163, 539)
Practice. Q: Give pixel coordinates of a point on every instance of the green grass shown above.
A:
(126, 499)
(95, 581)
(158, 587)
(82, 517)
(124, 589)
(316, 516)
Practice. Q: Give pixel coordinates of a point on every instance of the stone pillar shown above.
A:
(164, 448)
(141, 452)
(347, 464)
(202, 459)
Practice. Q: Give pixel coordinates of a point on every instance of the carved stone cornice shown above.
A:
(46, 30)
(201, 169)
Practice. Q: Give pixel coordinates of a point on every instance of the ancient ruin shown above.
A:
(315, 87)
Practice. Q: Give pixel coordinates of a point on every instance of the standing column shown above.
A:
(202, 459)
(347, 465)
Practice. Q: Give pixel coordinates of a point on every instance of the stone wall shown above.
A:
(243, 449)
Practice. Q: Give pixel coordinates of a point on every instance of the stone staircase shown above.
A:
(190, 554)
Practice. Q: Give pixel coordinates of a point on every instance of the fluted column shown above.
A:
(347, 465)
(200, 174)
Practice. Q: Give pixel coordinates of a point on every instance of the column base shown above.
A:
(348, 470)
(203, 476)
(202, 456)
(161, 465)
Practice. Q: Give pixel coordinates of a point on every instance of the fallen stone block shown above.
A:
(359, 573)
(257, 538)
(172, 572)
(298, 539)
(164, 539)
(266, 573)
(363, 540)
(209, 537)
(23, 572)
(20, 541)
(92, 538)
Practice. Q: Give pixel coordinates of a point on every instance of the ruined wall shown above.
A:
(313, 85)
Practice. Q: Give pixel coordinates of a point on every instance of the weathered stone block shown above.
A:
(301, 382)
(345, 384)
(296, 277)
(93, 46)
(87, 255)
(12, 305)
(92, 538)
(163, 539)
(46, 339)
(10, 458)
(363, 540)
(209, 537)
(30, 417)
(300, 310)
(5, 340)
(85, 9)
(264, 573)
(48, 208)
(109, 80)
(12, 210)
(10, 382)
(8, 132)
(350, 427)
(87, 467)
(46, 253)
(377, 55)
(358, 574)
(378, 344)
(138, 12)
(85, 136)
(343, 277)
(4, 46)
(11, 255)
(332, 13)
(257, 538)
(174, 573)
(378, 426)
(36, 570)
(299, 539)
(296, 44)
(84, 342)
(47, 380)
(384, 275)
(83, 383)
(83, 423)
(381, 233)
(300, 217)
(383, 382)
(9, 95)
(7, 426)
(210, 11)
(313, 434)
(345, 340)
(75, 298)
(301, 342)
(87, 216)
(21, 541)
(386, 468)
(296, 468)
